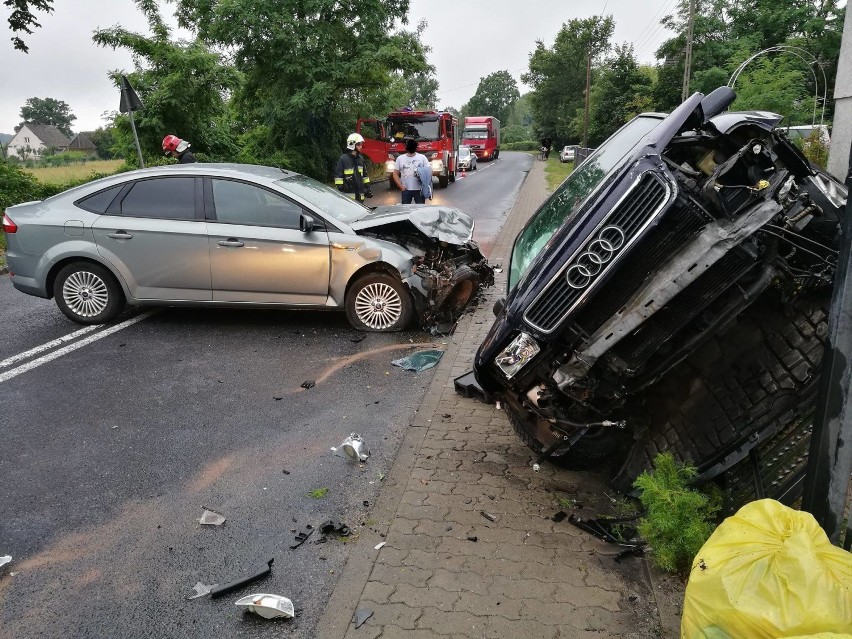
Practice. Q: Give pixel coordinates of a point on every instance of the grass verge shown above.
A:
(556, 172)
(67, 173)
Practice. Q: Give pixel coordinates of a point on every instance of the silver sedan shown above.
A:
(241, 235)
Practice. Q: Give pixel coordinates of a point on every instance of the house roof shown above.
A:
(81, 143)
(48, 134)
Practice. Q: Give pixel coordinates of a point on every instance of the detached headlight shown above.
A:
(517, 355)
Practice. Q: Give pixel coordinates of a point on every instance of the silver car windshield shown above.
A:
(324, 198)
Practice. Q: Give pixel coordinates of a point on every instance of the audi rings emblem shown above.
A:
(591, 261)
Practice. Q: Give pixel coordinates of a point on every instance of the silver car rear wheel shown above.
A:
(378, 303)
(87, 293)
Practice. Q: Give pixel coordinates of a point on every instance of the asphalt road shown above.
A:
(115, 439)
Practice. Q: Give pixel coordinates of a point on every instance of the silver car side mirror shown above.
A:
(306, 223)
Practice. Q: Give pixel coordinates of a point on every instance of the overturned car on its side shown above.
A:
(672, 294)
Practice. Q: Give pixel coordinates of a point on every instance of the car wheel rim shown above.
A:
(378, 306)
(85, 293)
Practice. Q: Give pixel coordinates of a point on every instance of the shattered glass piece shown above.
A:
(201, 590)
(361, 615)
(5, 559)
(211, 518)
(268, 606)
(420, 361)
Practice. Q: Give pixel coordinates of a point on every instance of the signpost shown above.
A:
(130, 102)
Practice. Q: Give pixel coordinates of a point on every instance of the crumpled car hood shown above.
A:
(440, 222)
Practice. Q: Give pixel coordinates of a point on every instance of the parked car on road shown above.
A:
(240, 235)
(566, 154)
(467, 159)
(672, 295)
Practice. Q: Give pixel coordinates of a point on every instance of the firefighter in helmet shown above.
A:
(350, 174)
(174, 147)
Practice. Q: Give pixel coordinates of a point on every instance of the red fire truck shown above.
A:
(482, 135)
(437, 133)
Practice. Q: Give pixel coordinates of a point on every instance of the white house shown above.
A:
(32, 139)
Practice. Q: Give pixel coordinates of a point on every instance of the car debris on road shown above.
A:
(216, 590)
(268, 606)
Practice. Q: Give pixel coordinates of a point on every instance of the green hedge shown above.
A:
(527, 145)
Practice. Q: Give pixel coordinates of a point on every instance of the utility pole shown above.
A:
(687, 59)
(588, 90)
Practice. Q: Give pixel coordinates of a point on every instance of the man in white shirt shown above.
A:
(405, 174)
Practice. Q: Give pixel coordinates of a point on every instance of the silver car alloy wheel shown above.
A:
(85, 293)
(378, 306)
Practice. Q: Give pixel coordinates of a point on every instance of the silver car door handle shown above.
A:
(120, 235)
(231, 242)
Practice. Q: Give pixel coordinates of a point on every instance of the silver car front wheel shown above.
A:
(87, 293)
(378, 303)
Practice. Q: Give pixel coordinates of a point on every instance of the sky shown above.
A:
(469, 41)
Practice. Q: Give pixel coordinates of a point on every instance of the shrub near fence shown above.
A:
(527, 145)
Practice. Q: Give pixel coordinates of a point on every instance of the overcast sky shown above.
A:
(469, 40)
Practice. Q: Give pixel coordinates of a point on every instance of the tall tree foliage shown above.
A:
(558, 75)
(495, 96)
(184, 88)
(23, 20)
(728, 32)
(420, 86)
(620, 92)
(311, 68)
(48, 111)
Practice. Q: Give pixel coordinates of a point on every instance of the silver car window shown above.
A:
(325, 199)
(171, 198)
(241, 203)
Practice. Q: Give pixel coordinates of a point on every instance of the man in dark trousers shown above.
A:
(350, 174)
(174, 147)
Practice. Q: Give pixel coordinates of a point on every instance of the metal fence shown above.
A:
(580, 154)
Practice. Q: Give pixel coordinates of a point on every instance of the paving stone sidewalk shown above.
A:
(448, 570)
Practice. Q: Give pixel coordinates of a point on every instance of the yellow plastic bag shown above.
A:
(768, 572)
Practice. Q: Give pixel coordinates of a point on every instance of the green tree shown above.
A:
(104, 140)
(311, 69)
(184, 88)
(621, 92)
(421, 86)
(48, 111)
(22, 18)
(494, 96)
(558, 75)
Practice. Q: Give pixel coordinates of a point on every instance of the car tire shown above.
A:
(379, 303)
(754, 381)
(452, 176)
(87, 293)
(443, 181)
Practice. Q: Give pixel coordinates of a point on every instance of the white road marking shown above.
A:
(72, 347)
(45, 347)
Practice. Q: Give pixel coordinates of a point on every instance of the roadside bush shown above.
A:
(678, 519)
(17, 186)
(527, 145)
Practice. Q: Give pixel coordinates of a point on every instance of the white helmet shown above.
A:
(352, 140)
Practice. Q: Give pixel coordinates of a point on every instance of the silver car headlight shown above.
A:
(517, 355)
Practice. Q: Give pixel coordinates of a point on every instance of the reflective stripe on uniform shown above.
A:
(348, 171)
(338, 181)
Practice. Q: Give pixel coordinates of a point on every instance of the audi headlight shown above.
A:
(517, 355)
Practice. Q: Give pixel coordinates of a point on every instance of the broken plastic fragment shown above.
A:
(488, 516)
(536, 467)
(211, 518)
(268, 606)
(353, 448)
(309, 384)
(301, 536)
(5, 559)
(334, 525)
(419, 361)
(361, 615)
(379, 545)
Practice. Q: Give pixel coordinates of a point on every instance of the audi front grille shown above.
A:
(637, 208)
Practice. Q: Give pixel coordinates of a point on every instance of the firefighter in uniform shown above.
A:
(350, 174)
